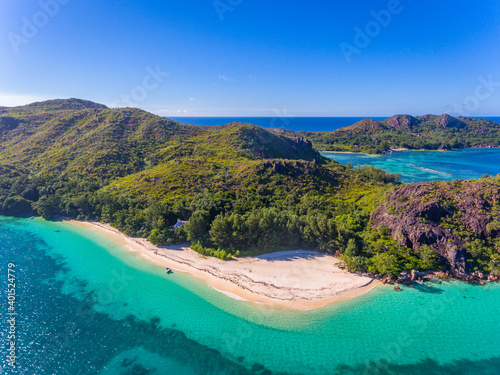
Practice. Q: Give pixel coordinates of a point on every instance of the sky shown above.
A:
(255, 57)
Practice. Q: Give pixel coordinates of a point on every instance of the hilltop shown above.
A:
(80, 136)
(76, 136)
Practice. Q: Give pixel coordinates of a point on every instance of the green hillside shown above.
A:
(141, 172)
(80, 137)
(243, 189)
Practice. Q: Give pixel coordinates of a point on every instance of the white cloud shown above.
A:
(278, 113)
(170, 112)
(192, 99)
(14, 100)
(225, 78)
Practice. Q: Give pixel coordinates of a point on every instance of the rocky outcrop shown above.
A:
(255, 142)
(415, 275)
(443, 215)
(401, 121)
(363, 126)
(447, 121)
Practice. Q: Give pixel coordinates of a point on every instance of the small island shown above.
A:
(405, 132)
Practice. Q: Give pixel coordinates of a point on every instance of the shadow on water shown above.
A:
(427, 288)
(425, 367)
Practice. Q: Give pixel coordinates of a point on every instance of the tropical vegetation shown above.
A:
(242, 189)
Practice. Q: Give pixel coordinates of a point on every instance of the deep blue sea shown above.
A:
(291, 123)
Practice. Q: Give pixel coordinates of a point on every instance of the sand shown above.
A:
(299, 280)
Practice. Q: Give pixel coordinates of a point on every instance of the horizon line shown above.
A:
(364, 116)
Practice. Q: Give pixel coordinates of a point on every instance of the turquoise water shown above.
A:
(418, 166)
(86, 306)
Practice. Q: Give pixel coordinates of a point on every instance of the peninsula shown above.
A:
(239, 190)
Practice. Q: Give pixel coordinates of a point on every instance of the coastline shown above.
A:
(296, 280)
(339, 152)
(411, 150)
(346, 152)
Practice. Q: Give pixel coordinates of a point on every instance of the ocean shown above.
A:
(312, 124)
(86, 306)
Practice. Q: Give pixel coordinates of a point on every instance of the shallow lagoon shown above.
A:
(418, 166)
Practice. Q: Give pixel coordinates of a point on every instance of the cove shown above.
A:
(420, 166)
(89, 306)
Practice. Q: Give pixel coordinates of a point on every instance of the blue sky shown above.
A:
(255, 57)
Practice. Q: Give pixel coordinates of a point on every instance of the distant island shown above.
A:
(427, 132)
(245, 190)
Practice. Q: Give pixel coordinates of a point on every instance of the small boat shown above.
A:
(168, 270)
(32, 217)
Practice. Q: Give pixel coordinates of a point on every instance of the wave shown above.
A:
(430, 170)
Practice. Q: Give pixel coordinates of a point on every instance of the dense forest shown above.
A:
(242, 189)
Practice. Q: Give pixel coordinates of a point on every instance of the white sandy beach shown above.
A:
(299, 280)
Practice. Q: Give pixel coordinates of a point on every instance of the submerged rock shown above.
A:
(415, 275)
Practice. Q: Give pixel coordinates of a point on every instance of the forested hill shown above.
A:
(76, 136)
(242, 189)
(428, 132)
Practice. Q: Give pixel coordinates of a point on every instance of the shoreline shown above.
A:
(410, 150)
(340, 152)
(295, 280)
